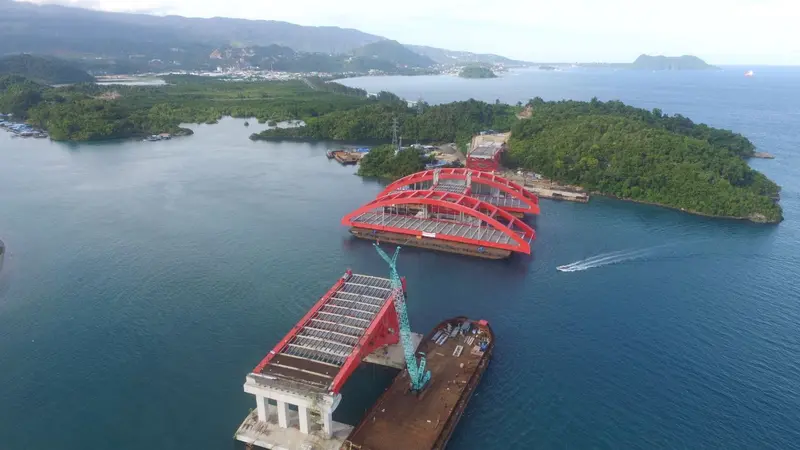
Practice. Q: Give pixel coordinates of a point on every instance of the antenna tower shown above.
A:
(394, 132)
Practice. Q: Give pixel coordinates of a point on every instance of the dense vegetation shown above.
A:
(45, 70)
(644, 155)
(85, 112)
(476, 72)
(452, 122)
(382, 162)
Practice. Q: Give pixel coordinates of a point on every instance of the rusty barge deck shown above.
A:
(404, 420)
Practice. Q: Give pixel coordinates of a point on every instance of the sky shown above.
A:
(719, 31)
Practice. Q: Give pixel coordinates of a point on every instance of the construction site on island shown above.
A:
(484, 154)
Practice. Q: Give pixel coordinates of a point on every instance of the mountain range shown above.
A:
(122, 42)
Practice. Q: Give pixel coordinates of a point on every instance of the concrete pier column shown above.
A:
(303, 411)
(263, 408)
(327, 423)
(283, 413)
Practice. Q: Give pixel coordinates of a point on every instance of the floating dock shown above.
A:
(458, 352)
(354, 320)
(484, 186)
(444, 221)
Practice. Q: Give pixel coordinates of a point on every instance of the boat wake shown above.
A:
(606, 259)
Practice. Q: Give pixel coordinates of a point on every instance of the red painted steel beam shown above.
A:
(296, 329)
(530, 200)
(384, 330)
(457, 202)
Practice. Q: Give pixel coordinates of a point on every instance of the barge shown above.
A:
(443, 221)
(458, 352)
(431, 243)
(346, 158)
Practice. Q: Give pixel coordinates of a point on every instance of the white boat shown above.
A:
(749, 73)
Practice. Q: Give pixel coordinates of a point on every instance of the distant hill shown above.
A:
(26, 27)
(685, 62)
(46, 70)
(384, 58)
(393, 52)
(107, 42)
(448, 57)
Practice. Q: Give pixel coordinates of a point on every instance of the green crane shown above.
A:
(416, 372)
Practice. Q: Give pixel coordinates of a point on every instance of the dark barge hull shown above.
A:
(430, 243)
(403, 420)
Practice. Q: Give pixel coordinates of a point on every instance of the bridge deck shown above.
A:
(463, 230)
(316, 349)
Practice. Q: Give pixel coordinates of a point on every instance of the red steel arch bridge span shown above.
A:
(483, 186)
(444, 221)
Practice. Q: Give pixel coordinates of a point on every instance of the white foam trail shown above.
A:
(606, 259)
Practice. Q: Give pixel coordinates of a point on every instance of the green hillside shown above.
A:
(46, 70)
(393, 52)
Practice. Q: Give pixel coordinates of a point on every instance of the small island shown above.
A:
(476, 72)
(685, 62)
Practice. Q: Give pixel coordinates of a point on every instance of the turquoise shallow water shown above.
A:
(144, 280)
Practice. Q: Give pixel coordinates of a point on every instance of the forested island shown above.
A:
(91, 112)
(607, 147)
(476, 72)
(685, 62)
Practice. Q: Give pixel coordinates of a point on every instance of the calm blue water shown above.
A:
(144, 280)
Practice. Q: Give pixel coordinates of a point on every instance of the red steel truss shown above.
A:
(515, 198)
(353, 319)
(471, 221)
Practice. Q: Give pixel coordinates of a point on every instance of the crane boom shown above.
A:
(416, 372)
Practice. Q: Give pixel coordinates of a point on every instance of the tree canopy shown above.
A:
(85, 112)
(451, 122)
(383, 162)
(635, 154)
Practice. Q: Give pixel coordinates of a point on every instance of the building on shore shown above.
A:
(486, 150)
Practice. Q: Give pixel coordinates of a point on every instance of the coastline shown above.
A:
(688, 211)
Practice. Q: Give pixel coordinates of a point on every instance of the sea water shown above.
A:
(143, 280)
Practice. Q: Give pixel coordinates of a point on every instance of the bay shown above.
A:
(143, 281)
